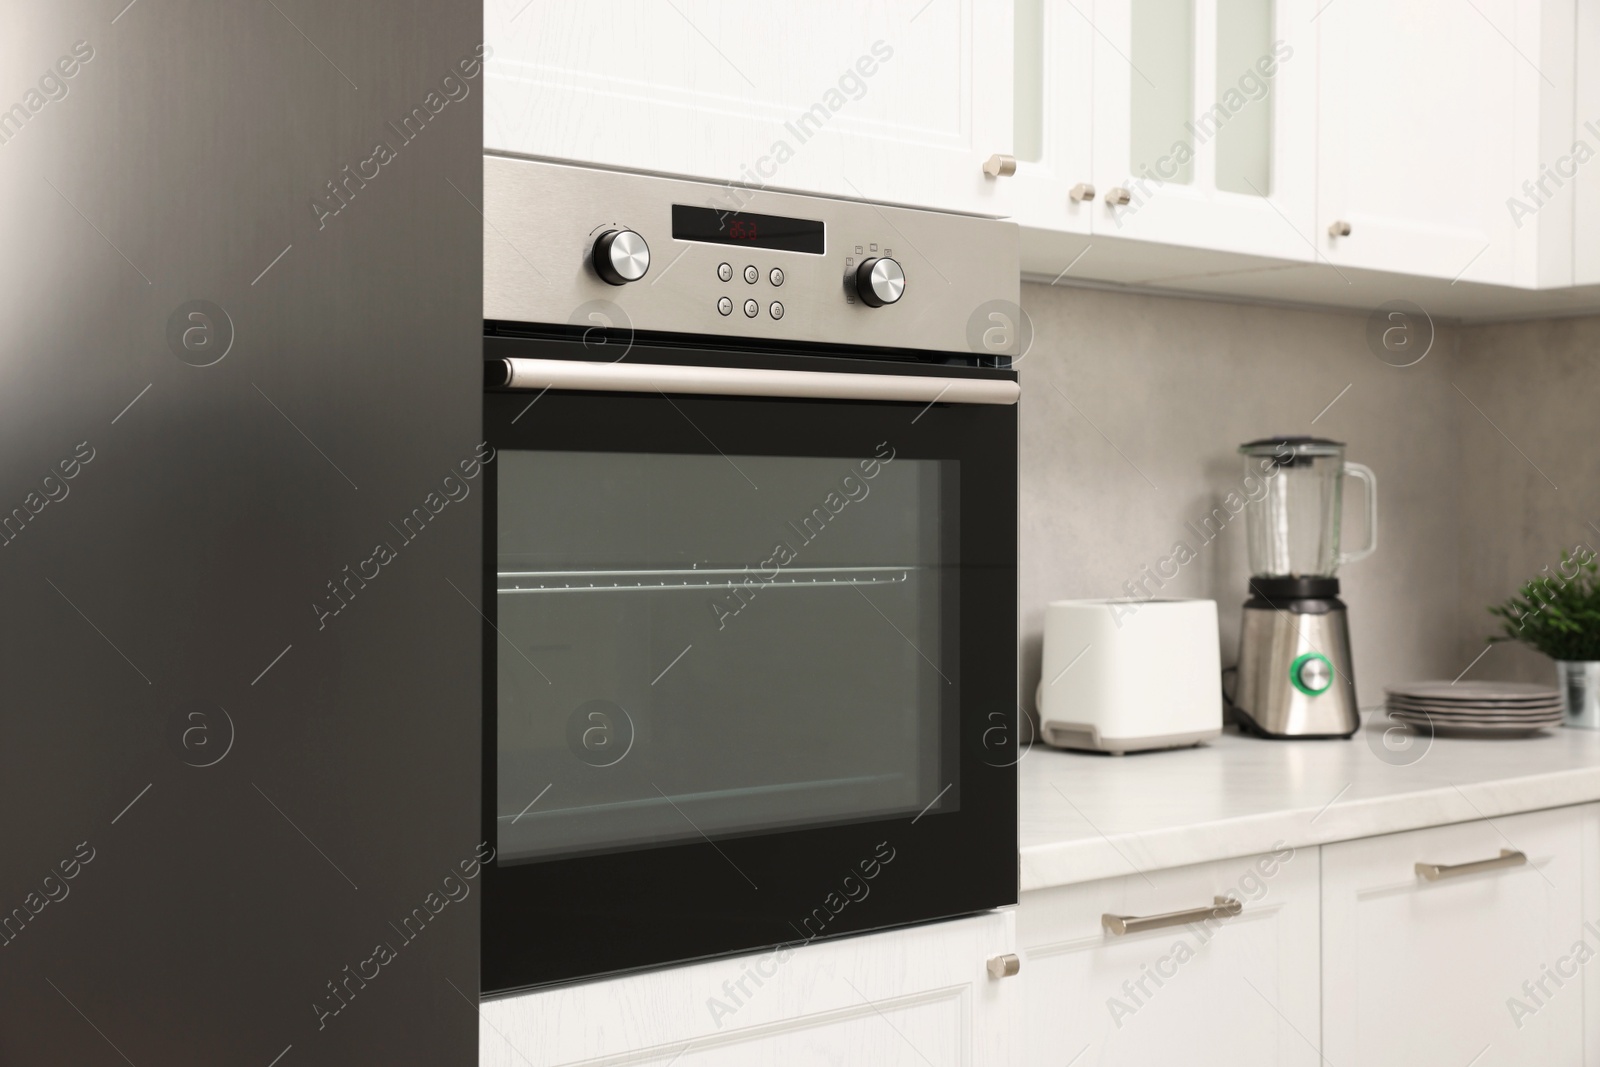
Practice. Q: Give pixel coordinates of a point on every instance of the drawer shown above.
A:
(1198, 989)
(1458, 944)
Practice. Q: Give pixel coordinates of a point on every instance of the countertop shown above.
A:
(1086, 817)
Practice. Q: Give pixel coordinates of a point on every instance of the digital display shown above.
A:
(744, 228)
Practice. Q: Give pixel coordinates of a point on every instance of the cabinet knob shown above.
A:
(1118, 196)
(1004, 966)
(1339, 228)
(1082, 191)
(1000, 166)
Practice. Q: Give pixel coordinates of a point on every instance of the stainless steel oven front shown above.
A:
(751, 570)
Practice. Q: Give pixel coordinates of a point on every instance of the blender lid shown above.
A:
(1299, 445)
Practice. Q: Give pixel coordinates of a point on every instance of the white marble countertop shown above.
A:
(1086, 817)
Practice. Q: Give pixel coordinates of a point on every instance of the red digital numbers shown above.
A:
(742, 230)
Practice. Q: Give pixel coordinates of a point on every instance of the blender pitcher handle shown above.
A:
(1370, 481)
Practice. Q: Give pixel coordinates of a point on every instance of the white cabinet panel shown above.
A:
(906, 998)
(1054, 114)
(1478, 968)
(1204, 114)
(1431, 117)
(897, 103)
(1236, 992)
(1586, 180)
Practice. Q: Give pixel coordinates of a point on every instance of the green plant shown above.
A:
(1557, 615)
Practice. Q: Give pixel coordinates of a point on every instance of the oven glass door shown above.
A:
(741, 649)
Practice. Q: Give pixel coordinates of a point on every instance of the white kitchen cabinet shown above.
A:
(1053, 114)
(1430, 119)
(906, 998)
(1236, 992)
(897, 103)
(1187, 119)
(1586, 206)
(1590, 816)
(1451, 971)
(1201, 122)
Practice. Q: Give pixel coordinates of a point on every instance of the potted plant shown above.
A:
(1559, 615)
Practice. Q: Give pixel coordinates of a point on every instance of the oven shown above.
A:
(750, 584)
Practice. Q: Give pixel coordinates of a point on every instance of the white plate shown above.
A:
(1475, 692)
(1509, 713)
(1486, 730)
(1462, 728)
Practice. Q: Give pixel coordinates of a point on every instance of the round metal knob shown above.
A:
(1000, 166)
(1312, 673)
(621, 256)
(880, 281)
(1118, 197)
(1082, 191)
(1339, 228)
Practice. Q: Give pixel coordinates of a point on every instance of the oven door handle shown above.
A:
(742, 381)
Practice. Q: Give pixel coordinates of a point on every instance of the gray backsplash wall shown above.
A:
(1530, 482)
(1133, 406)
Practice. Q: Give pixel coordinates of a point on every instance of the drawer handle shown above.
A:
(1221, 908)
(1507, 858)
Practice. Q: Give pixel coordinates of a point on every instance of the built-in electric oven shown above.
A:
(751, 570)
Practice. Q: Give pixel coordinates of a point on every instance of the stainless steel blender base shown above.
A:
(1278, 646)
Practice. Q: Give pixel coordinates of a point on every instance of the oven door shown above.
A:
(752, 659)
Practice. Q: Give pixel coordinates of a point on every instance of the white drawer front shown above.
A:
(1237, 991)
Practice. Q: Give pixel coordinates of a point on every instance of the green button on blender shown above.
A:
(1311, 673)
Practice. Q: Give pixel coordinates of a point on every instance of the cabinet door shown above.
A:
(1053, 110)
(1586, 207)
(897, 103)
(1482, 968)
(1203, 132)
(906, 998)
(1229, 992)
(1431, 117)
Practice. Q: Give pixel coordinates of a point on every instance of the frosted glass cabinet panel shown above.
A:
(1244, 142)
(1160, 73)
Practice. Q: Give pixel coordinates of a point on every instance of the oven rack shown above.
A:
(521, 582)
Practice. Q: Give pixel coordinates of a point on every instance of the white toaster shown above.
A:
(1126, 675)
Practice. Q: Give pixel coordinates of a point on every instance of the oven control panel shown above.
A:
(571, 244)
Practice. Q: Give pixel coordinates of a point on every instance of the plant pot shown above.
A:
(1579, 681)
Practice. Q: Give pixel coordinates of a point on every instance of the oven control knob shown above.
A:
(880, 281)
(621, 256)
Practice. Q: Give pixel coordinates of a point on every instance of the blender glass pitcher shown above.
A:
(1293, 523)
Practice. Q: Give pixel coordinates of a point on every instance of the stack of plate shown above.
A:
(1479, 709)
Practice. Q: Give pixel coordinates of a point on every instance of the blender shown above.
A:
(1295, 678)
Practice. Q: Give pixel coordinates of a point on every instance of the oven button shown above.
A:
(776, 277)
(751, 309)
(621, 256)
(776, 309)
(880, 281)
(725, 306)
(725, 272)
(751, 275)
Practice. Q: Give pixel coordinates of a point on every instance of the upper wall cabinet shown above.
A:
(1586, 209)
(1053, 114)
(1446, 139)
(898, 103)
(1182, 122)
